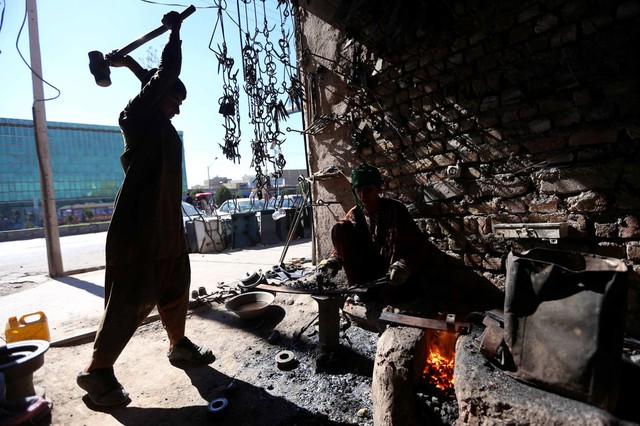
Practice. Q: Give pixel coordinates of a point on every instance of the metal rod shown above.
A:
(298, 216)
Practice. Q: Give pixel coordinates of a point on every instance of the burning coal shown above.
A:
(438, 370)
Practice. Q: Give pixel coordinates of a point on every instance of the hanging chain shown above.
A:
(266, 108)
(229, 101)
(267, 93)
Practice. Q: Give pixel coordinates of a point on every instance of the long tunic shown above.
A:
(147, 219)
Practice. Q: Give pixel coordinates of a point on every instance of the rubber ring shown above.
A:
(285, 360)
(217, 406)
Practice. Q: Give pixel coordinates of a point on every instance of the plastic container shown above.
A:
(32, 326)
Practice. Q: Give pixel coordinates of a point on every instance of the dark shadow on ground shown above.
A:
(248, 405)
(95, 289)
(262, 326)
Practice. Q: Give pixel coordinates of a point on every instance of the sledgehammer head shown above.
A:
(99, 67)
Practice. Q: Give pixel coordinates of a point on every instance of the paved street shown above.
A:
(29, 257)
(77, 299)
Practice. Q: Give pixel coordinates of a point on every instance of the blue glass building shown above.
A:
(85, 163)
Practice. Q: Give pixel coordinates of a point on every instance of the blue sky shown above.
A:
(69, 29)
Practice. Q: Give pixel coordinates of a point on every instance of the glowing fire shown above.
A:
(438, 370)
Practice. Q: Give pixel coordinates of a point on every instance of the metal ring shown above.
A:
(217, 406)
(285, 360)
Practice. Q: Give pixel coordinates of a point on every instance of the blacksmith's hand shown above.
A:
(329, 266)
(172, 20)
(116, 59)
(398, 273)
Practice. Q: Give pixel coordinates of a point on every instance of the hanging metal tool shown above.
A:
(229, 101)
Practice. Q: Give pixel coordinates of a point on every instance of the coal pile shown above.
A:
(436, 406)
(336, 386)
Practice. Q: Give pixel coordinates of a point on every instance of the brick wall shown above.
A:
(536, 104)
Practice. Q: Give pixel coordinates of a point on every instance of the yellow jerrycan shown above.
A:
(33, 326)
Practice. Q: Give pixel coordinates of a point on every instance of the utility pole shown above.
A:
(50, 225)
(209, 177)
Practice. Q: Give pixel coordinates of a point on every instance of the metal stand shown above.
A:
(329, 321)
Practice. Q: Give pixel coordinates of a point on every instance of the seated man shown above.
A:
(377, 237)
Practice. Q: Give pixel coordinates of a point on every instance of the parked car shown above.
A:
(240, 205)
(281, 202)
(190, 212)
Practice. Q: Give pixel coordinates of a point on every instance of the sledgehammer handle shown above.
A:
(153, 34)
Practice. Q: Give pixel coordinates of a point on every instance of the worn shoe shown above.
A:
(187, 352)
(102, 387)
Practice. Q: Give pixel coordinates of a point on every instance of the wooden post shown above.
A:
(50, 225)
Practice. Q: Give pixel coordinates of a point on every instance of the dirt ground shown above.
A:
(312, 393)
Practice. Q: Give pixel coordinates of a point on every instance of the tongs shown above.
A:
(371, 284)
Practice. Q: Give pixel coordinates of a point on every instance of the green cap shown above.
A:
(365, 174)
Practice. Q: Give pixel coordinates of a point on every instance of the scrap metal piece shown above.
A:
(217, 406)
(451, 322)
(321, 203)
(286, 360)
(251, 281)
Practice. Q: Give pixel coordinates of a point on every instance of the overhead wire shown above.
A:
(26, 12)
(175, 4)
(4, 6)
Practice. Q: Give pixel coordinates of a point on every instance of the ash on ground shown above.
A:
(335, 387)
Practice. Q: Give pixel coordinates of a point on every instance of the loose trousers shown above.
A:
(131, 293)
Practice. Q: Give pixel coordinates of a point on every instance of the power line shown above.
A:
(26, 9)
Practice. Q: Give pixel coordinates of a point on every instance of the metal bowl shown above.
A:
(250, 305)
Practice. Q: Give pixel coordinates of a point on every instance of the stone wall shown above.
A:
(481, 113)
(64, 231)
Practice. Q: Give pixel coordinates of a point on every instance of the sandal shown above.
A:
(102, 387)
(185, 351)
